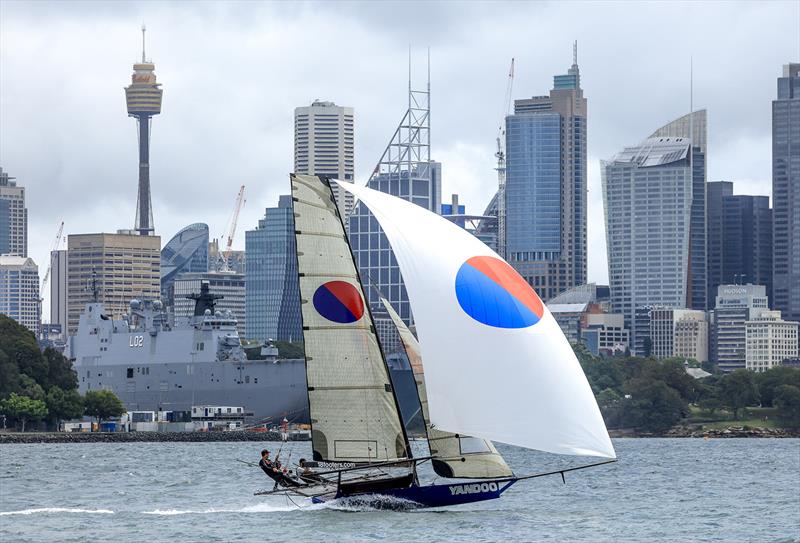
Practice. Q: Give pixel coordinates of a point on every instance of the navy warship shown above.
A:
(152, 365)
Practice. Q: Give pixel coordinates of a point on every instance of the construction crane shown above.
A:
(46, 278)
(501, 165)
(225, 256)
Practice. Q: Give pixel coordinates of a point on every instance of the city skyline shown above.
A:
(55, 160)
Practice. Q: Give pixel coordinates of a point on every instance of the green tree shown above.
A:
(30, 388)
(59, 370)
(63, 404)
(787, 400)
(102, 404)
(20, 346)
(771, 379)
(673, 372)
(23, 409)
(9, 375)
(738, 390)
(610, 403)
(653, 406)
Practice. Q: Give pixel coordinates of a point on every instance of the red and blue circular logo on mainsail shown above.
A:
(493, 293)
(339, 301)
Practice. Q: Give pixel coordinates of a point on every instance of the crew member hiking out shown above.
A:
(274, 472)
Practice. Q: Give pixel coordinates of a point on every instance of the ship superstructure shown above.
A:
(154, 366)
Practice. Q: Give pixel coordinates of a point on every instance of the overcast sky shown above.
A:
(232, 74)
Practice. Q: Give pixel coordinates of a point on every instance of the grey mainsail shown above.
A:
(354, 414)
(454, 455)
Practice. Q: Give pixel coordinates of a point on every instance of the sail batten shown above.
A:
(497, 365)
(352, 406)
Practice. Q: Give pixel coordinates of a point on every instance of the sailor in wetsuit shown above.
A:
(274, 471)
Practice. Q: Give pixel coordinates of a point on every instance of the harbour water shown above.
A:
(728, 490)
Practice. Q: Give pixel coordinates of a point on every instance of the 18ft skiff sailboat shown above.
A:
(496, 364)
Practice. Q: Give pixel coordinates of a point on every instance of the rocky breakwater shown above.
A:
(134, 437)
(732, 431)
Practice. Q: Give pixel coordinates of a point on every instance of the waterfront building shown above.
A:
(113, 269)
(405, 170)
(143, 98)
(786, 193)
(770, 341)
(230, 285)
(19, 290)
(13, 217)
(605, 334)
(545, 187)
(582, 314)
(735, 305)
(186, 252)
(272, 292)
(58, 288)
(679, 333)
(653, 225)
(324, 145)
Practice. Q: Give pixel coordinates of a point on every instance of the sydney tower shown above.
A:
(144, 100)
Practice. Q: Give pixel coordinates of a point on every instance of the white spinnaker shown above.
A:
(521, 386)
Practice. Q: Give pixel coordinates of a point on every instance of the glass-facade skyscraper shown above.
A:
(648, 193)
(272, 291)
(186, 252)
(545, 187)
(786, 193)
(694, 126)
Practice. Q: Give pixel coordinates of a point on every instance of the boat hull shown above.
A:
(416, 496)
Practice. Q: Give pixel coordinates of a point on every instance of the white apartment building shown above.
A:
(769, 341)
(679, 332)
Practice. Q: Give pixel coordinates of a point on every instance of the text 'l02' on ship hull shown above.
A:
(151, 365)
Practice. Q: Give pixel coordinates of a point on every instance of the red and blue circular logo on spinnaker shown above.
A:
(339, 301)
(493, 293)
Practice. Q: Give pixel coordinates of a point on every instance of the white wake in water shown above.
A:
(257, 508)
(46, 510)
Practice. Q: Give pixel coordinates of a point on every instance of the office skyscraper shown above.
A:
(323, 145)
(143, 98)
(747, 247)
(13, 217)
(739, 239)
(786, 193)
(648, 194)
(545, 191)
(126, 265)
(717, 191)
(694, 126)
(272, 291)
